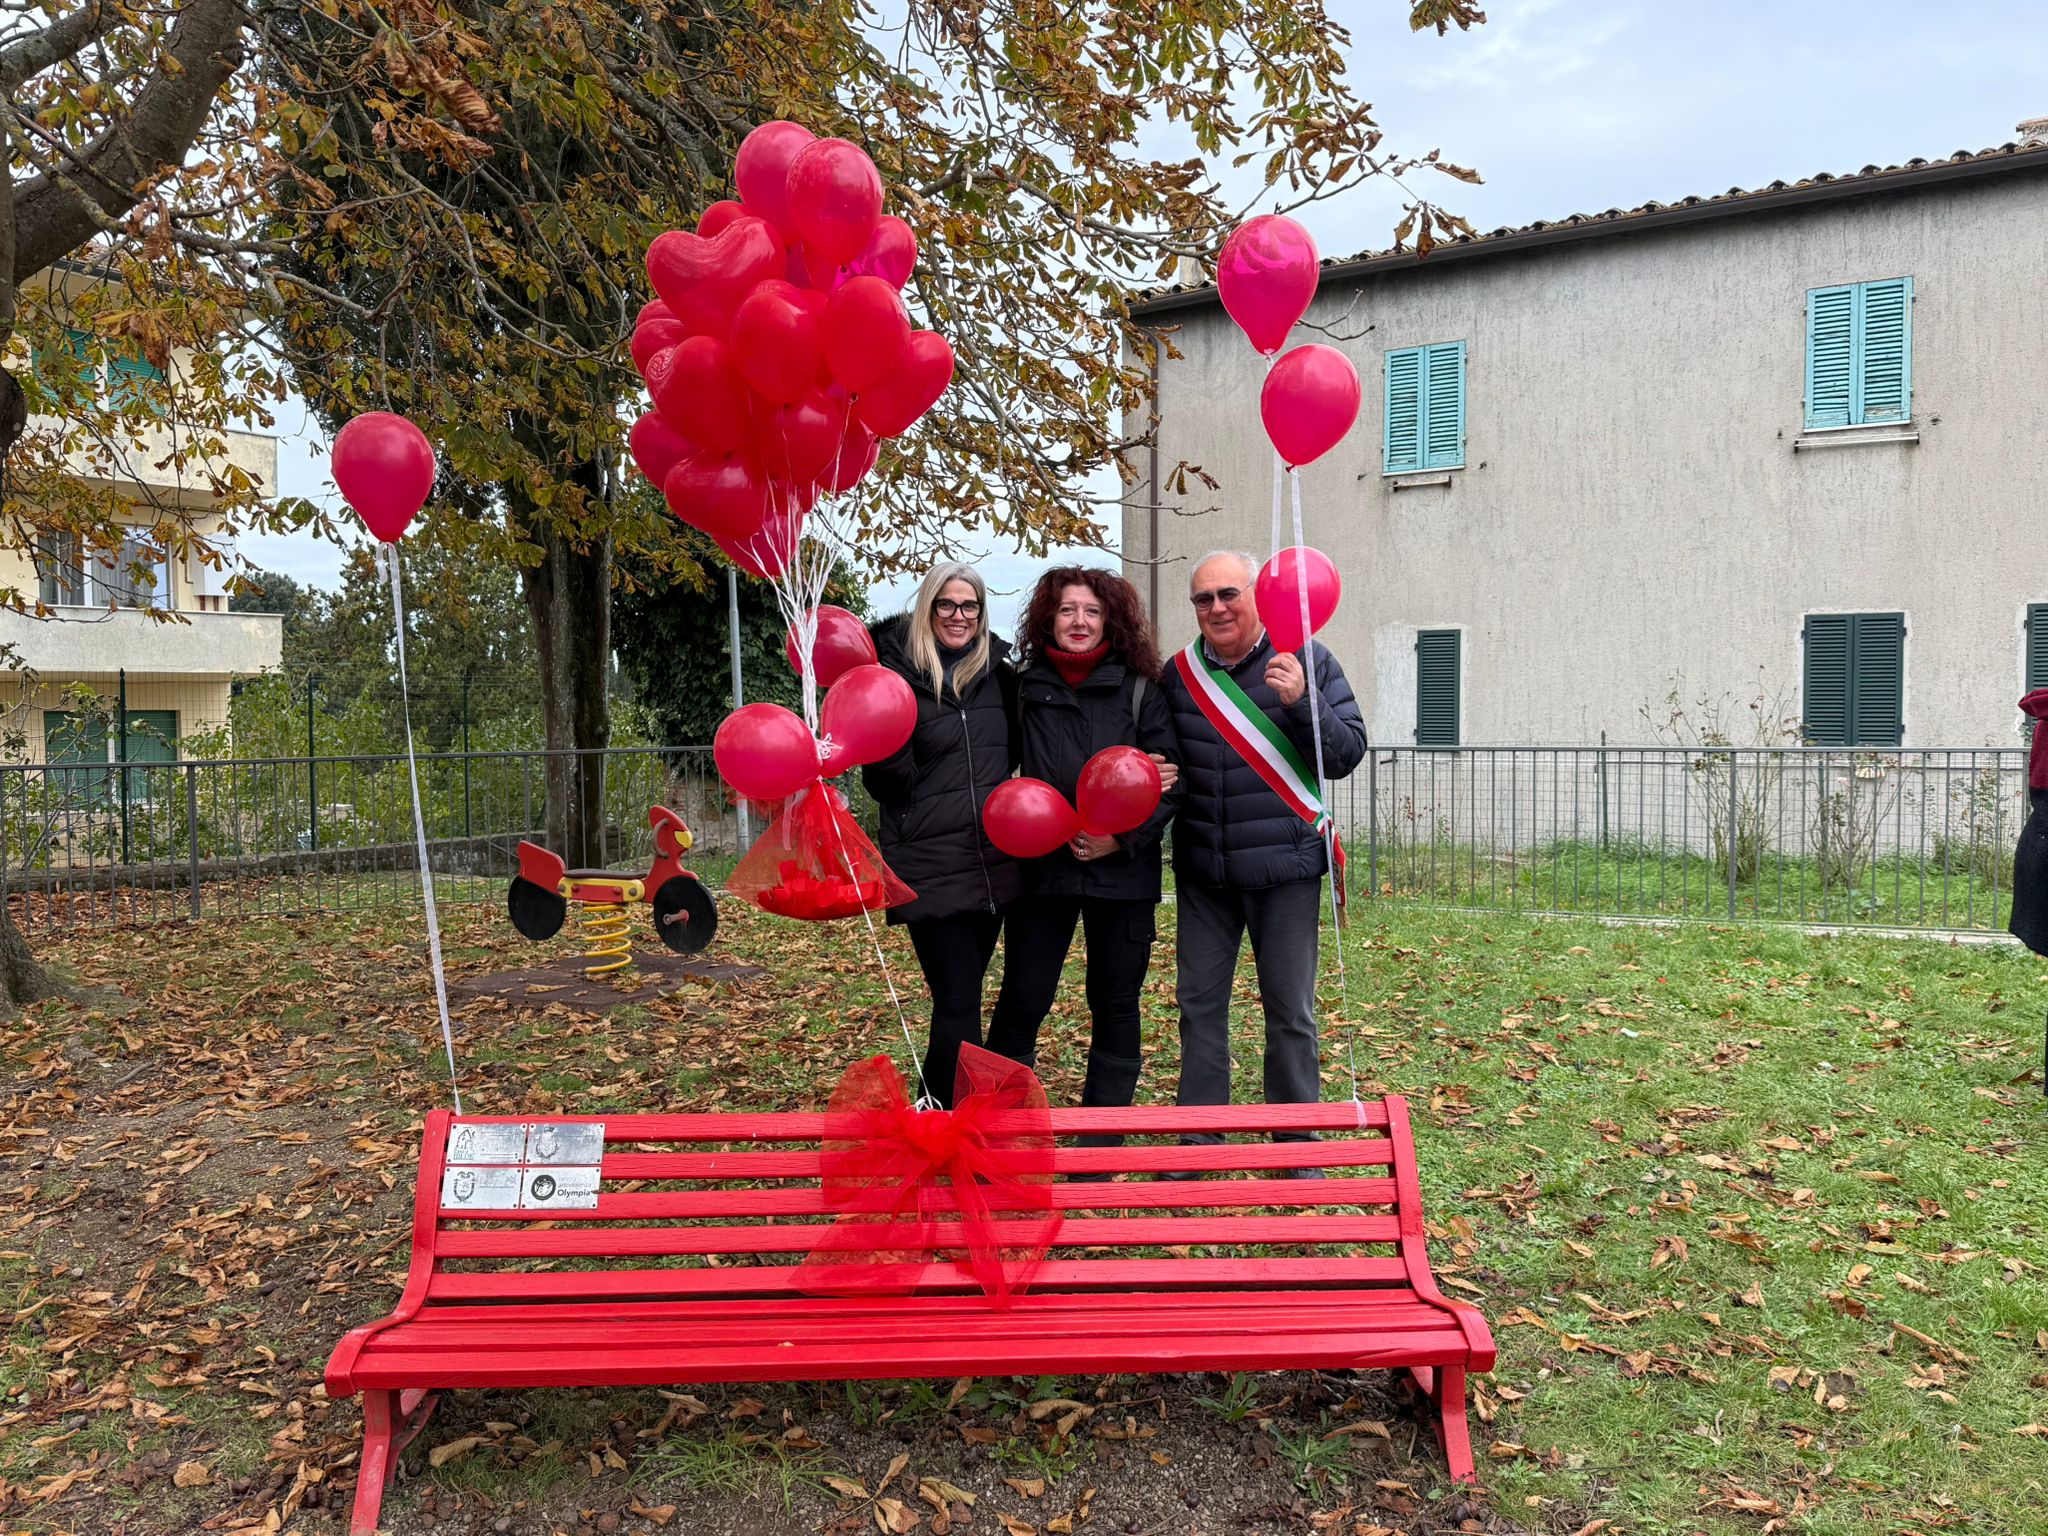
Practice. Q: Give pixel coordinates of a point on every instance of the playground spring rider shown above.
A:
(685, 916)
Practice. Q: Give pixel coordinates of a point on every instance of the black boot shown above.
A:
(1111, 1083)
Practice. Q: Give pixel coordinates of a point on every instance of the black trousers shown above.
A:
(1040, 930)
(953, 952)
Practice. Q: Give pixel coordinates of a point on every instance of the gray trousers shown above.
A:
(1284, 922)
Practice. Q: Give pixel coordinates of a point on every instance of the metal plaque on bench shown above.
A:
(558, 1189)
(480, 1189)
(501, 1145)
(555, 1143)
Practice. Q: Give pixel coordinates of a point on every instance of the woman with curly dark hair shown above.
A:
(1088, 680)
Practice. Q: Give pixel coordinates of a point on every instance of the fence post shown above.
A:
(121, 758)
(312, 770)
(1600, 778)
(1734, 831)
(465, 753)
(1372, 822)
(192, 828)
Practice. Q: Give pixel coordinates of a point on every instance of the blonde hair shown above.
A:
(922, 644)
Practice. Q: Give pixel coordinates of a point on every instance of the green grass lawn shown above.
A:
(1757, 1216)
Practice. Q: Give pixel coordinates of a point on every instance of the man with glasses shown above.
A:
(1252, 840)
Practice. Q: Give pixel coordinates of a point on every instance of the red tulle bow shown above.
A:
(883, 1166)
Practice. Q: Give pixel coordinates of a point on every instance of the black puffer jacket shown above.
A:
(1062, 727)
(931, 792)
(1232, 830)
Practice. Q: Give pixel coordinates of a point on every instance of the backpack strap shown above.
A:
(1137, 696)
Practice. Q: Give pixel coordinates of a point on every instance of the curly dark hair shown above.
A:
(1124, 624)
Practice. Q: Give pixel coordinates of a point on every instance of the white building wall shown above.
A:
(1633, 505)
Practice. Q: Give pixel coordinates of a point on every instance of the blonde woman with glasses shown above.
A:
(931, 794)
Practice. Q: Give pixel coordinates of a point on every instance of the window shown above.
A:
(1436, 687)
(139, 577)
(1855, 679)
(1859, 354)
(60, 578)
(2037, 646)
(1425, 425)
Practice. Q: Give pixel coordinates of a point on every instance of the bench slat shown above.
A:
(1077, 1274)
(1223, 1157)
(1145, 1119)
(1087, 1232)
(1148, 1194)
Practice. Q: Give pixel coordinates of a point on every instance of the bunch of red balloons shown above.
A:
(778, 351)
(766, 752)
(1118, 789)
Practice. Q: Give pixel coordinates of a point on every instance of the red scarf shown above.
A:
(1075, 666)
(2035, 707)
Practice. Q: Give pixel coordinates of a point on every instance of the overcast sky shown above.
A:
(1572, 106)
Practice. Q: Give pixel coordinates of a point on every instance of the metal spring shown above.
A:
(606, 937)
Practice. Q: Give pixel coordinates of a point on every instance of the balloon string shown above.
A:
(1315, 715)
(925, 1098)
(1279, 478)
(419, 827)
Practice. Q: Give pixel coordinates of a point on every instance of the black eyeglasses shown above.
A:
(1224, 595)
(945, 608)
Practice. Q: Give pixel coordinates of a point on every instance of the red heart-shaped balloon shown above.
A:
(761, 168)
(796, 442)
(720, 493)
(718, 216)
(657, 446)
(890, 254)
(775, 340)
(701, 280)
(652, 337)
(696, 386)
(652, 311)
(891, 407)
(835, 196)
(866, 333)
(856, 455)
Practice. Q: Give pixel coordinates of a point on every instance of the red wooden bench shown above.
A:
(1286, 1273)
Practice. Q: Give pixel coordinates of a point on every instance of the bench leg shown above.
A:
(391, 1420)
(1445, 1389)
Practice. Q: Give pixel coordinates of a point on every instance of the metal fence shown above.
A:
(1907, 839)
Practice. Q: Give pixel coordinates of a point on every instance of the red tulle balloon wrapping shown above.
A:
(814, 862)
(971, 1185)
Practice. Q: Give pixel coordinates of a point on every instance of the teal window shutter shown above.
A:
(71, 738)
(1436, 687)
(1859, 354)
(1886, 351)
(1830, 345)
(1444, 407)
(1854, 692)
(1404, 410)
(128, 381)
(1425, 417)
(2037, 646)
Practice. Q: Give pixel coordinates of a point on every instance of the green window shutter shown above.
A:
(70, 738)
(128, 384)
(1824, 694)
(1443, 422)
(152, 738)
(1830, 354)
(1878, 702)
(1436, 687)
(1884, 346)
(1404, 410)
(2037, 646)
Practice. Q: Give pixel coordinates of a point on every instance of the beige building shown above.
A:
(102, 628)
(1787, 433)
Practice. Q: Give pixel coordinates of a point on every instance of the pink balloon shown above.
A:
(765, 752)
(762, 167)
(867, 715)
(843, 643)
(652, 337)
(701, 280)
(1266, 277)
(1028, 818)
(696, 386)
(384, 466)
(890, 254)
(1118, 789)
(720, 493)
(796, 442)
(776, 341)
(718, 216)
(1277, 593)
(835, 196)
(892, 407)
(867, 333)
(657, 447)
(1309, 402)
